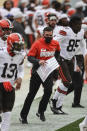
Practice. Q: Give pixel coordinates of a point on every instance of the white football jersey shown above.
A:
(70, 42)
(10, 66)
(27, 28)
(3, 43)
(41, 14)
(4, 12)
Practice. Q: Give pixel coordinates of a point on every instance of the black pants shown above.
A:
(78, 84)
(78, 80)
(35, 83)
(66, 71)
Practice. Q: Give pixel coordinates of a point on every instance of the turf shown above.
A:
(71, 127)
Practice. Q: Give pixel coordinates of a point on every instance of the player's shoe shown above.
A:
(41, 116)
(53, 108)
(77, 106)
(58, 111)
(82, 127)
(23, 121)
(53, 103)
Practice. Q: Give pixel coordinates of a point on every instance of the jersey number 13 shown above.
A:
(12, 71)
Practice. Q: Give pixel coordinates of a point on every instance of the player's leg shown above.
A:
(47, 85)
(35, 82)
(78, 84)
(8, 103)
(63, 86)
(58, 98)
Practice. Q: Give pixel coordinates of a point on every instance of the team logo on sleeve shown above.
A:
(62, 32)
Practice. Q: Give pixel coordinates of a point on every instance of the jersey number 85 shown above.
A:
(72, 45)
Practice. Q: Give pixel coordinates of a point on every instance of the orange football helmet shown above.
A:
(15, 43)
(45, 2)
(5, 27)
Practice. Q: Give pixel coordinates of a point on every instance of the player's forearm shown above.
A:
(85, 63)
(21, 71)
(83, 47)
(33, 60)
(57, 56)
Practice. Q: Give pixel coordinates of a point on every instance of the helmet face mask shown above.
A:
(6, 32)
(17, 48)
(5, 28)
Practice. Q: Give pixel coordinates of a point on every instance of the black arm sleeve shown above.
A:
(57, 56)
(35, 63)
(33, 60)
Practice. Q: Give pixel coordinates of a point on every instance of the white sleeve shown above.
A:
(83, 47)
(21, 71)
(60, 38)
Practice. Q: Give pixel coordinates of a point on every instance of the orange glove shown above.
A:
(7, 86)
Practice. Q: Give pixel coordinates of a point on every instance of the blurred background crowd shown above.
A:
(28, 15)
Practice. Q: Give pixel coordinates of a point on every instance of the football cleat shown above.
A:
(58, 111)
(55, 110)
(52, 103)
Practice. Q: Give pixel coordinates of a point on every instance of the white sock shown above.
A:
(5, 121)
(60, 100)
(62, 87)
(56, 95)
(63, 90)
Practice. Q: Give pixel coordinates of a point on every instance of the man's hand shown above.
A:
(18, 83)
(78, 69)
(42, 62)
(85, 75)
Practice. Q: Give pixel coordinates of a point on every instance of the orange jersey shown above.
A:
(42, 50)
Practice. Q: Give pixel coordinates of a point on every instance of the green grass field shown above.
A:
(71, 127)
